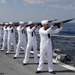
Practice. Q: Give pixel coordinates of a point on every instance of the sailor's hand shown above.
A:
(52, 27)
(61, 23)
(35, 25)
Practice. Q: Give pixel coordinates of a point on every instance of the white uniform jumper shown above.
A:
(11, 38)
(46, 47)
(1, 35)
(32, 43)
(21, 40)
(4, 37)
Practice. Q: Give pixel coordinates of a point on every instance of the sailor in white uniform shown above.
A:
(21, 38)
(5, 36)
(46, 45)
(31, 43)
(11, 37)
(1, 33)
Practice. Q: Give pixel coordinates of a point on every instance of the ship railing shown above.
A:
(64, 48)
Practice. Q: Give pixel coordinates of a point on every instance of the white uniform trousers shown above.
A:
(43, 52)
(4, 43)
(18, 47)
(27, 54)
(0, 41)
(11, 41)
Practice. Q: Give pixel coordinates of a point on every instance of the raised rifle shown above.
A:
(65, 21)
(39, 24)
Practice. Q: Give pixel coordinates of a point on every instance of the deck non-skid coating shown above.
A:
(10, 66)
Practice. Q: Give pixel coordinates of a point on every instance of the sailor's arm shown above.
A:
(45, 31)
(4, 28)
(31, 30)
(21, 28)
(8, 28)
(58, 29)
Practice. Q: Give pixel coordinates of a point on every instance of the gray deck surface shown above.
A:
(10, 66)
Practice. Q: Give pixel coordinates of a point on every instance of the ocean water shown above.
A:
(66, 39)
(67, 42)
(68, 29)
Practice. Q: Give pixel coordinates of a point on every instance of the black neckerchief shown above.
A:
(23, 31)
(33, 32)
(9, 26)
(48, 33)
(31, 27)
(12, 29)
(46, 28)
(2, 28)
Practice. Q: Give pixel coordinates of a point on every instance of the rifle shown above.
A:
(16, 24)
(39, 24)
(52, 20)
(65, 21)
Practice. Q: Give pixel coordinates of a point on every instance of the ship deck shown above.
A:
(10, 66)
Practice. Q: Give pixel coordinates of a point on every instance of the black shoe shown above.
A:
(24, 63)
(53, 72)
(36, 63)
(2, 50)
(14, 57)
(6, 53)
(38, 72)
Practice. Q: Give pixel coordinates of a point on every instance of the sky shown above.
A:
(36, 10)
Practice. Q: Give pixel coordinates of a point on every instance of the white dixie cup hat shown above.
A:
(10, 22)
(30, 22)
(21, 22)
(6, 23)
(44, 22)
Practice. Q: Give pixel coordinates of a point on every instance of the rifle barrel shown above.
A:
(53, 20)
(58, 24)
(68, 20)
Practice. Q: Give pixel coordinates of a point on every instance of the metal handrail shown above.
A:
(64, 36)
